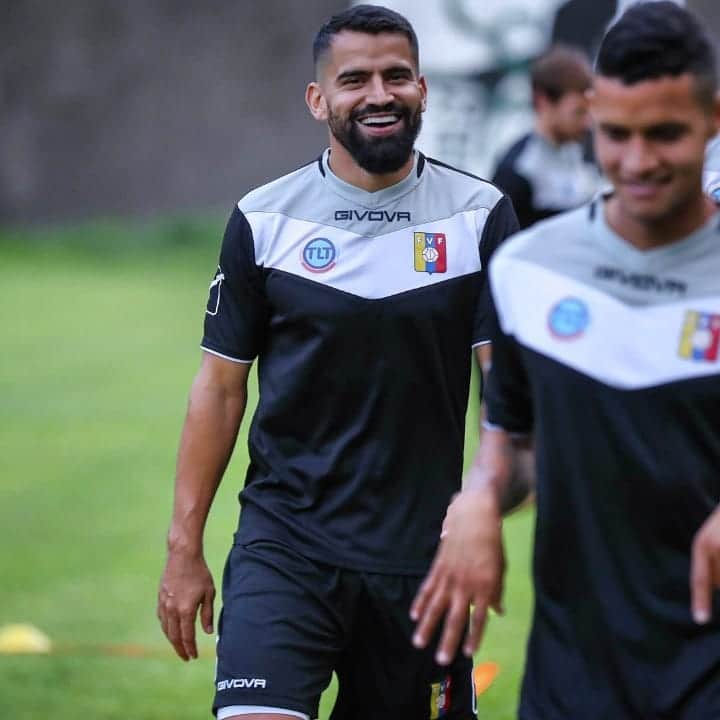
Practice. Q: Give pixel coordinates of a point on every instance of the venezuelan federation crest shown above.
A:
(700, 337)
(430, 252)
(440, 696)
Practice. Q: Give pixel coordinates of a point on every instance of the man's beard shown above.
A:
(378, 155)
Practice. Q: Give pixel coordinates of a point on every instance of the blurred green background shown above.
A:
(101, 324)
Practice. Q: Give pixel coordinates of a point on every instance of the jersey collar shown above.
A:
(700, 241)
(372, 199)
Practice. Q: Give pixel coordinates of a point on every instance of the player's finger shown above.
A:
(174, 636)
(700, 584)
(456, 621)
(433, 609)
(478, 619)
(496, 599)
(206, 612)
(160, 612)
(187, 632)
(422, 598)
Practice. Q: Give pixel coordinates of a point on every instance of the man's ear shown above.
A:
(316, 102)
(715, 125)
(423, 89)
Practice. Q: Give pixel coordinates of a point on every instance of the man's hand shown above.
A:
(705, 568)
(185, 586)
(468, 570)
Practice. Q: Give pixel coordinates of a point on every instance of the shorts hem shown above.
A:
(230, 699)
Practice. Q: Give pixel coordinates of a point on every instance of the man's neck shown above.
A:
(344, 166)
(545, 131)
(645, 235)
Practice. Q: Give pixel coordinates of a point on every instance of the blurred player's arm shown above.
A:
(705, 568)
(217, 403)
(520, 485)
(469, 565)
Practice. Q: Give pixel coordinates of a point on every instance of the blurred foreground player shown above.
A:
(358, 282)
(547, 171)
(609, 354)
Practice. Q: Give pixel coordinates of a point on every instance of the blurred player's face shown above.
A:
(650, 141)
(372, 98)
(569, 117)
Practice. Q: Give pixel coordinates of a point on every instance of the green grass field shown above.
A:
(100, 327)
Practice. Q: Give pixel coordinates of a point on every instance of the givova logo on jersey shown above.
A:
(430, 252)
(700, 337)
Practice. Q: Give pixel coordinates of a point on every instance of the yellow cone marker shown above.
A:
(21, 639)
(484, 675)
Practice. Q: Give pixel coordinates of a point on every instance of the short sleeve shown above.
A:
(236, 312)
(500, 224)
(507, 392)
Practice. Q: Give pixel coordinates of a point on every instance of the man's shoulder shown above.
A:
(278, 195)
(514, 151)
(547, 239)
(468, 191)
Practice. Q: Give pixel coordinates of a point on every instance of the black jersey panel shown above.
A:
(236, 312)
(367, 486)
(625, 480)
(500, 224)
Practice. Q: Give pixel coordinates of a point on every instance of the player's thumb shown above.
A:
(206, 611)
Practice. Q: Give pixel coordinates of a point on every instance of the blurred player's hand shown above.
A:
(705, 568)
(468, 570)
(185, 586)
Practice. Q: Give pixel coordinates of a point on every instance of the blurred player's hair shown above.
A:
(370, 19)
(559, 70)
(659, 39)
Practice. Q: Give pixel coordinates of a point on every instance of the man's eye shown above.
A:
(668, 133)
(615, 134)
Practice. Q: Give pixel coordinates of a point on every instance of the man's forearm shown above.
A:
(207, 441)
(503, 469)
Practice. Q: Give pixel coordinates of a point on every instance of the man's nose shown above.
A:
(378, 92)
(639, 157)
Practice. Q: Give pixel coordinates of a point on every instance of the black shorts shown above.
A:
(288, 622)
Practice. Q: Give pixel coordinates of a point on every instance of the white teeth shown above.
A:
(379, 120)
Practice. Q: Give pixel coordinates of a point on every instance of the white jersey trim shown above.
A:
(625, 346)
(227, 357)
(233, 710)
(369, 267)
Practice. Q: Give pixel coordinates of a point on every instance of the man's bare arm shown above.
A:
(217, 403)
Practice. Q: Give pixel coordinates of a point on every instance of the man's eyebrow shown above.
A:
(351, 73)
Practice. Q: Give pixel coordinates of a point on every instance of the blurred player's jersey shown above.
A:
(543, 179)
(611, 356)
(711, 171)
(362, 309)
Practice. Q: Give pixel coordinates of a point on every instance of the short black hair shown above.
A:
(559, 70)
(371, 19)
(658, 39)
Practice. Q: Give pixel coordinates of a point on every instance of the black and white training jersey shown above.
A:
(361, 309)
(542, 179)
(611, 356)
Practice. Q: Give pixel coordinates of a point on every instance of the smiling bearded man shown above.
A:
(359, 284)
